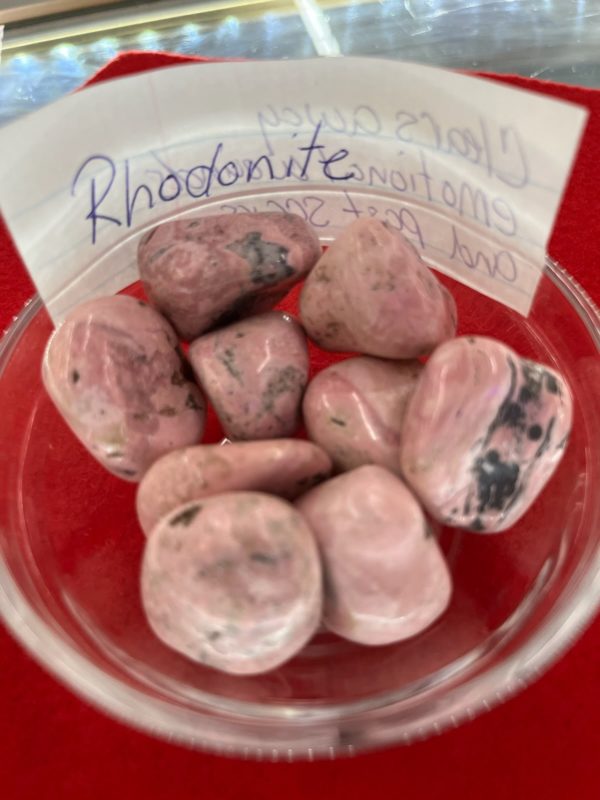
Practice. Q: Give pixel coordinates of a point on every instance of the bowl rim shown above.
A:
(317, 733)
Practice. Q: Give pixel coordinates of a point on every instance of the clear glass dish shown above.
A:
(70, 548)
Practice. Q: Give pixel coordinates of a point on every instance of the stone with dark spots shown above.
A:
(254, 382)
(121, 396)
(214, 270)
(238, 587)
(355, 409)
(483, 433)
(372, 293)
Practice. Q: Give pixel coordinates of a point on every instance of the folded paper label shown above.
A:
(471, 171)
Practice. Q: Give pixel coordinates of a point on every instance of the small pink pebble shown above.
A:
(354, 410)
(254, 373)
(233, 582)
(114, 371)
(285, 467)
(372, 293)
(385, 576)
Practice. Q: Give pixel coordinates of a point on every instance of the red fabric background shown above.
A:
(543, 743)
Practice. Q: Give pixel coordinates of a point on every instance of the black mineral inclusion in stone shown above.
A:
(267, 260)
(186, 516)
(496, 481)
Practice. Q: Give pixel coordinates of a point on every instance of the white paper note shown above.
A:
(470, 170)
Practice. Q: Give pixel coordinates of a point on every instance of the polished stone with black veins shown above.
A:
(483, 433)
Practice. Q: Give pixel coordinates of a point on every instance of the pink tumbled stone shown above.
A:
(254, 373)
(483, 433)
(285, 467)
(385, 576)
(208, 271)
(233, 582)
(371, 293)
(114, 371)
(354, 410)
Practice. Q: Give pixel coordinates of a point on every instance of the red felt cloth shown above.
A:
(543, 743)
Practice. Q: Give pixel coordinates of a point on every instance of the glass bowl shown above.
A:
(70, 549)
